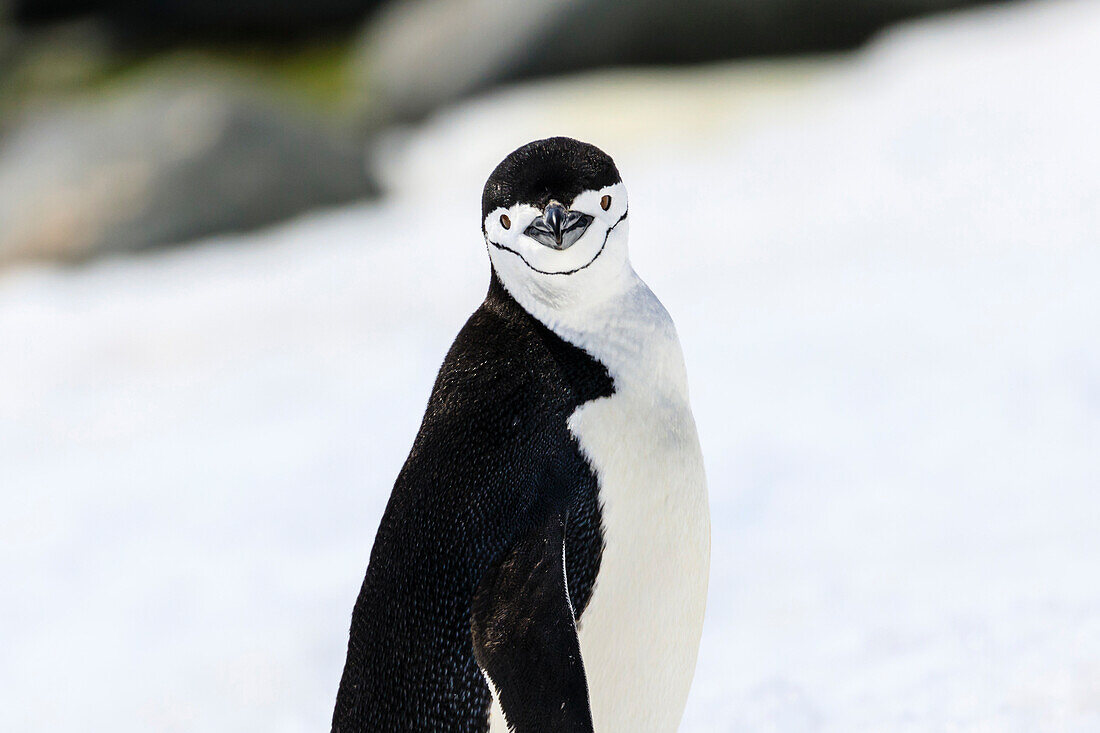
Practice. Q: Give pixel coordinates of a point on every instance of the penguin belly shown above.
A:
(639, 635)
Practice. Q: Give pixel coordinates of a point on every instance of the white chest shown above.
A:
(640, 633)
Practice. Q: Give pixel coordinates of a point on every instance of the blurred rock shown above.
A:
(52, 60)
(165, 161)
(420, 54)
(50, 10)
(215, 17)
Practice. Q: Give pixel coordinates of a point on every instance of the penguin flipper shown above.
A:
(525, 636)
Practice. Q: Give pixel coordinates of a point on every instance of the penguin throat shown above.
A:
(553, 297)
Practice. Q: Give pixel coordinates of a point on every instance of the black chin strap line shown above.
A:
(567, 272)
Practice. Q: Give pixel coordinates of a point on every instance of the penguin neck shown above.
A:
(565, 299)
(617, 320)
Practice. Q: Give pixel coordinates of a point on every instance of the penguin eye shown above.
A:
(605, 203)
(505, 221)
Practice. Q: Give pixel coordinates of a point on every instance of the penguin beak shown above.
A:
(558, 227)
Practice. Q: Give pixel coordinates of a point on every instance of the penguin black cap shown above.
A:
(557, 168)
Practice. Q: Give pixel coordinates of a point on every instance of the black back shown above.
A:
(492, 462)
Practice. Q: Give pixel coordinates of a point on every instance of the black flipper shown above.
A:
(525, 636)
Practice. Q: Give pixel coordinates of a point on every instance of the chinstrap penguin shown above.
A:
(542, 562)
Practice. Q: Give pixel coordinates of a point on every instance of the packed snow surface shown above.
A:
(886, 283)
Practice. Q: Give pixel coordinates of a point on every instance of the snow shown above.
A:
(884, 274)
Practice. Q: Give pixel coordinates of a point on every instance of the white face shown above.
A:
(525, 264)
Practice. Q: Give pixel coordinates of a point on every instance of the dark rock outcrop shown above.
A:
(166, 160)
(420, 54)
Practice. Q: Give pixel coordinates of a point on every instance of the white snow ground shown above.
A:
(885, 280)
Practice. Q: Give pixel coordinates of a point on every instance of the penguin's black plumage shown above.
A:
(475, 526)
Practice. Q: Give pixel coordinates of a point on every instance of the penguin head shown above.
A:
(554, 218)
